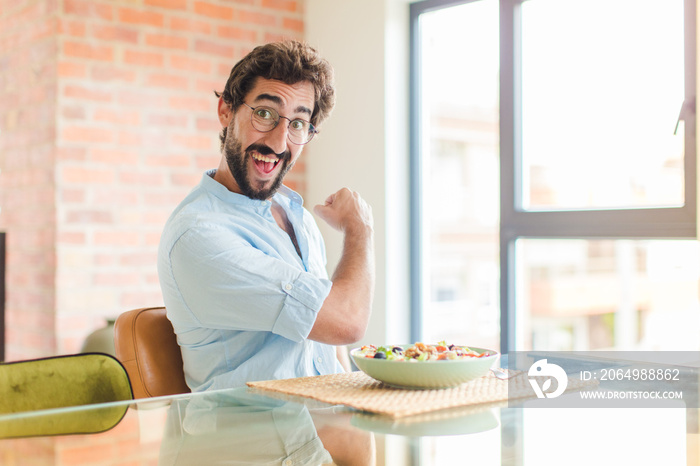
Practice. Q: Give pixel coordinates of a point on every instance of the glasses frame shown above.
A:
(312, 129)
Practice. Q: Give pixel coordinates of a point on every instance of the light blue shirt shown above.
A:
(241, 300)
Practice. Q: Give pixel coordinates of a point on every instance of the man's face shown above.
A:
(258, 161)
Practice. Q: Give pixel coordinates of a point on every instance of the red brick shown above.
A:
(116, 33)
(113, 73)
(282, 5)
(185, 179)
(293, 24)
(113, 156)
(25, 13)
(88, 9)
(167, 198)
(213, 11)
(129, 138)
(168, 161)
(71, 69)
(71, 28)
(159, 216)
(72, 195)
(194, 141)
(213, 48)
(291, 184)
(184, 62)
(142, 179)
(134, 300)
(208, 86)
(144, 18)
(71, 237)
(74, 112)
(115, 197)
(80, 175)
(254, 17)
(86, 134)
(116, 279)
(142, 98)
(274, 37)
(233, 32)
(170, 4)
(225, 69)
(167, 41)
(88, 217)
(167, 120)
(118, 117)
(167, 80)
(93, 52)
(193, 104)
(207, 162)
(190, 25)
(85, 93)
(208, 124)
(64, 153)
(135, 57)
(116, 238)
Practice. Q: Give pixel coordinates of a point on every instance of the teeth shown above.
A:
(262, 158)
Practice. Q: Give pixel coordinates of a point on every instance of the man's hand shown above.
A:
(344, 316)
(346, 211)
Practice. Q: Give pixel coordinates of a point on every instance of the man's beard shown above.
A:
(236, 160)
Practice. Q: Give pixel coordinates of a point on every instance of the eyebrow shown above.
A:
(277, 100)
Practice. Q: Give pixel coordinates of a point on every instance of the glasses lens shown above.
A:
(265, 119)
(300, 131)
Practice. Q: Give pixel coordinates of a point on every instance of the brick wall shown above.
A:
(28, 48)
(107, 119)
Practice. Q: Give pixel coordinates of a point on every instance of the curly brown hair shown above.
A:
(288, 61)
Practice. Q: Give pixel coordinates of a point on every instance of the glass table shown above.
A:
(247, 426)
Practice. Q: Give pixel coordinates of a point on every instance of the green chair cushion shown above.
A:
(61, 382)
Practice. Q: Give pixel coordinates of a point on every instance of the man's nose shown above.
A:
(277, 138)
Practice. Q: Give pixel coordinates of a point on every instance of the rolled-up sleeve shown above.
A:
(229, 283)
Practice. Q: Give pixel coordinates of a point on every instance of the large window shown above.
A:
(554, 175)
(456, 170)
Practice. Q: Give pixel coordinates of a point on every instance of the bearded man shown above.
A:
(241, 262)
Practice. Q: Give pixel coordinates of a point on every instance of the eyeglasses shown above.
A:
(265, 119)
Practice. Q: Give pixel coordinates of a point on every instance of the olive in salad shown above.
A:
(420, 352)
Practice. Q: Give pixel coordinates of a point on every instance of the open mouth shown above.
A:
(265, 164)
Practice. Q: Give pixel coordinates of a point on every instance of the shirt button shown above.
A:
(288, 287)
(319, 359)
(287, 462)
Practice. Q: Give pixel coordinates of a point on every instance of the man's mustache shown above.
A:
(266, 150)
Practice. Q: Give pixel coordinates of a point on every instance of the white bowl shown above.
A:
(426, 374)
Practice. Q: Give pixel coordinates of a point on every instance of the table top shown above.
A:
(250, 426)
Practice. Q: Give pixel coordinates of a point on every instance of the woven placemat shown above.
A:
(358, 390)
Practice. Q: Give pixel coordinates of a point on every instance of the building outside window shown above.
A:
(553, 172)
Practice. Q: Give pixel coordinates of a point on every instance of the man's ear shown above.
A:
(225, 113)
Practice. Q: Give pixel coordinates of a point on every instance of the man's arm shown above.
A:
(345, 313)
(343, 356)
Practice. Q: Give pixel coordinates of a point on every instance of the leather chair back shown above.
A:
(146, 345)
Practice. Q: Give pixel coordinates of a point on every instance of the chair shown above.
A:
(59, 382)
(146, 345)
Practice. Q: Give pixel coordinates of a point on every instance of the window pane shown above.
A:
(602, 87)
(459, 156)
(578, 295)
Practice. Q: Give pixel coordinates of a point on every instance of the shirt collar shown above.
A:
(210, 184)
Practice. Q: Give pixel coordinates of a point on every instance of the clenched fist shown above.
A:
(346, 211)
